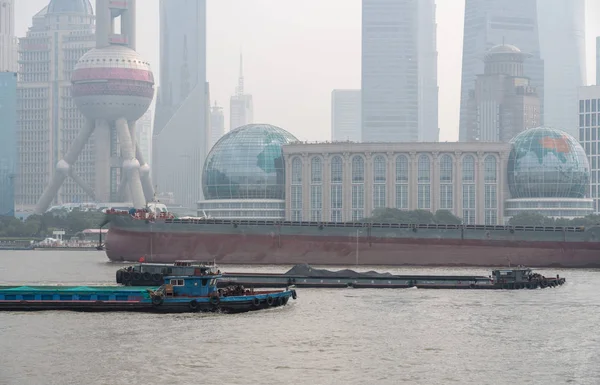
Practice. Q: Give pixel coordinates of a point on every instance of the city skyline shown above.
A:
(309, 86)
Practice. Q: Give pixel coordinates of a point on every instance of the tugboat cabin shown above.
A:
(189, 286)
(518, 275)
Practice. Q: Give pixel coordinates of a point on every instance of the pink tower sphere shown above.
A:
(111, 83)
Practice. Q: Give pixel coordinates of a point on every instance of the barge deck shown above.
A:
(306, 276)
(178, 294)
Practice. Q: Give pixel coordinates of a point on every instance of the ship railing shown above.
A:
(416, 226)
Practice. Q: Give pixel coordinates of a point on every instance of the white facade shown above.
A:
(335, 182)
(143, 134)
(181, 132)
(217, 124)
(589, 136)
(8, 41)
(399, 71)
(489, 23)
(562, 43)
(48, 120)
(345, 115)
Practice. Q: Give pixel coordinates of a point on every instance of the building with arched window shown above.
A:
(348, 181)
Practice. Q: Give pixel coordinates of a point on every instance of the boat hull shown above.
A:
(263, 245)
(133, 300)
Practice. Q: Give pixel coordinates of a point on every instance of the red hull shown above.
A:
(124, 245)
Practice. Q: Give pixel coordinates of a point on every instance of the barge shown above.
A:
(178, 294)
(306, 276)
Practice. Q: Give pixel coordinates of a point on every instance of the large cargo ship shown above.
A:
(165, 239)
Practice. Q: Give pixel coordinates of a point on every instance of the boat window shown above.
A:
(177, 282)
(204, 282)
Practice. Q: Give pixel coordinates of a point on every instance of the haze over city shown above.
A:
(295, 53)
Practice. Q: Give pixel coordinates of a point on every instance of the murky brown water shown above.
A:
(347, 336)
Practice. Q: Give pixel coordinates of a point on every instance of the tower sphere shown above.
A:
(111, 83)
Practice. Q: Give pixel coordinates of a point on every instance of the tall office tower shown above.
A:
(489, 23)
(241, 110)
(399, 71)
(180, 125)
(562, 46)
(503, 103)
(217, 124)
(8, 144)
(588, 113)
(345, 115)
(112, 86)
(143, 133)
(47, 119)
(8, 41)
(598, 60)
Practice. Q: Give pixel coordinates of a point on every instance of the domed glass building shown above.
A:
(547, 163)
(548, 172)
(244, 174)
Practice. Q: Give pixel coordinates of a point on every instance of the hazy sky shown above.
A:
(296, 52)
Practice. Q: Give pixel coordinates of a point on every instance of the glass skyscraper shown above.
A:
(8, 144)
(493, 22)
(399, 71)
(562, 42)
(181, 125)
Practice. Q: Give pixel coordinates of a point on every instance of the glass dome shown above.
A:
(547, 163)
(247, 163)
(70, 6)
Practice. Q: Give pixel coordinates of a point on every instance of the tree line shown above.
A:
(42, 226)
(445, 217)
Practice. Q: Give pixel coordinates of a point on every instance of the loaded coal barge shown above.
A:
(178, 294)
(306, 276)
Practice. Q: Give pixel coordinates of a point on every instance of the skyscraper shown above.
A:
(48, 119)
(8, 41)
(399, 71)
(562, 46)
(217, 124)
(503, 103)
(489, 23)
(598, 60)
(345, 115)
(241, 110)
(8, 144)
(181, 132)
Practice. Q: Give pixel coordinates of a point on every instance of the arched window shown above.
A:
(446, 179)
(316, 170)
(297, 171)
(296, 198)
(337, 176)
(316, 189)
(491, 190)
(424, 183)
(468, 189)
(358, 169)
(402, 182)
(358, 187)
(379, 179)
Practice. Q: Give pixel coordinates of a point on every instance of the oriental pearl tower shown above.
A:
(113, 87)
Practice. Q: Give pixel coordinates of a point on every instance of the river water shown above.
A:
(337, 336)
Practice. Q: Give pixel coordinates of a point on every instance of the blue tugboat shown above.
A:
(178, 294)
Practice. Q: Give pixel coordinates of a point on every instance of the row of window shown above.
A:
(446, 194)
(402, 170)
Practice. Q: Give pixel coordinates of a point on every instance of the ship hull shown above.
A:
(128, 241)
